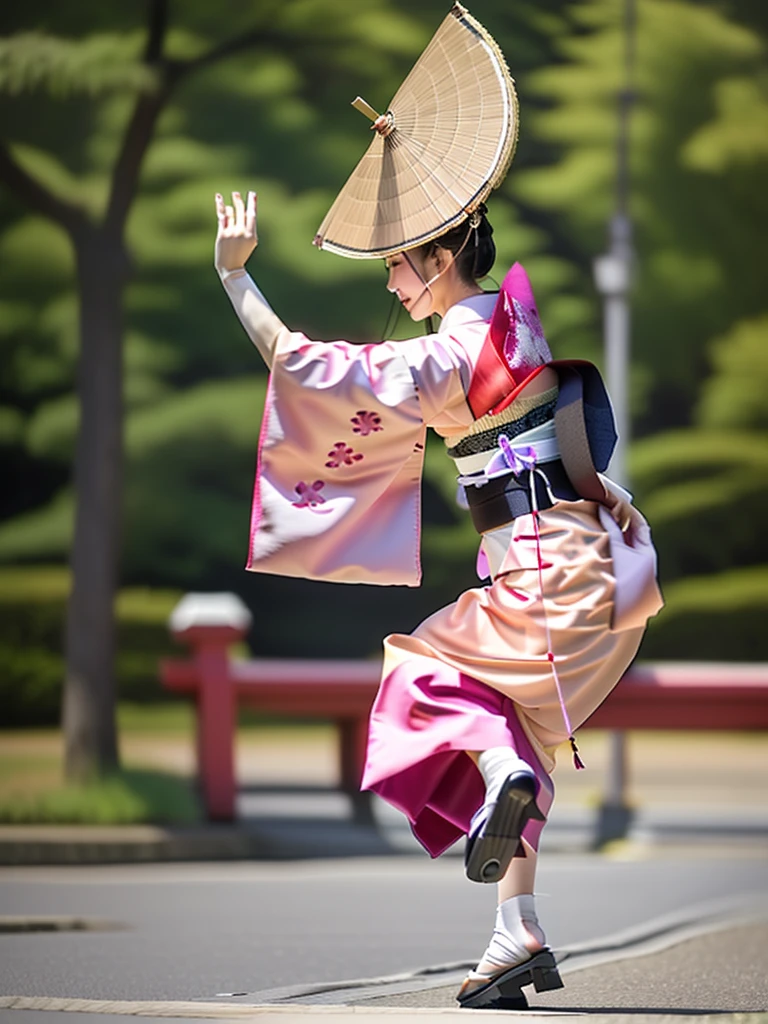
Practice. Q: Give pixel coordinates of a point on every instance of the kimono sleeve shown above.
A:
(441, 368)
(338, 480)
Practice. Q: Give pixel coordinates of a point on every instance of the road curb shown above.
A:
(53, 844)
(287, 1014)
(132, 1008)
(48, 845)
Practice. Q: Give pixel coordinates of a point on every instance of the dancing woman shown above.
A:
(474, 703)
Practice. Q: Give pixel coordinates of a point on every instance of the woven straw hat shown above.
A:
(444, 144)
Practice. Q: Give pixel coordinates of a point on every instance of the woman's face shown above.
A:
(407, 277)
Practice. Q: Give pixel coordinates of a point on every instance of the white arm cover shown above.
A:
(261, 324)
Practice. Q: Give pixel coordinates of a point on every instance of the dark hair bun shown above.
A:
(471, 243)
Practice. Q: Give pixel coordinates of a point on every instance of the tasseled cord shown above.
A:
(577, 762)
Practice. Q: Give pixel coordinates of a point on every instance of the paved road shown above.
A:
(195, 931)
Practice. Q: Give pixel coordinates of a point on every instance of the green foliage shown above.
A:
(718, 618)
(95, 65)
(735, 395)
(739, 133)
(32, 615)
(698, 163)
(704, 494)
(44, 534)
(190, 478)
(11, 426)
(132, 796)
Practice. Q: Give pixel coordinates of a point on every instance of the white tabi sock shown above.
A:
(517, 935)
(496, 765)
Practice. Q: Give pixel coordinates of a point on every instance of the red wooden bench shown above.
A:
(673, 695)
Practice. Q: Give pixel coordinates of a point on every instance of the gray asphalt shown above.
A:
(724, 971)
(200, 932)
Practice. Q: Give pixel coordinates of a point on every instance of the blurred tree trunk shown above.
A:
(89, 689)
(90, 694)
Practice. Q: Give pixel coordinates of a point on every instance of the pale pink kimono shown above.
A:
(337, 497)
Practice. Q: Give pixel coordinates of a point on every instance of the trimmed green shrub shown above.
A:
(32, 618)
(128, 797)
(712, 618)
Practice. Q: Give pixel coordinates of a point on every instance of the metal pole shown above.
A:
(616, 312)
(612, 275)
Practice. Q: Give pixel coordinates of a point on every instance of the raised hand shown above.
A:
(237, 236)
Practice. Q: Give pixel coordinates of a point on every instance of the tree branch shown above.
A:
(264, 37)
(225, 49)
(125, 176)
(158, 25)
(36, 196)
(141, 128)
(149, 105)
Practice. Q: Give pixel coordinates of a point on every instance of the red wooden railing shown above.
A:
(673, 695)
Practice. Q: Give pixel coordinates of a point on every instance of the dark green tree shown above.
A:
(136, 72)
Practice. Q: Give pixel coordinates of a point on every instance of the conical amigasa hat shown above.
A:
(447, 142)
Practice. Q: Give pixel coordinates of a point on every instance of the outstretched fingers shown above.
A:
(225, 215)
(239, 218)
(236, 237)
(237, 202)
(221, 213)
(250, 214)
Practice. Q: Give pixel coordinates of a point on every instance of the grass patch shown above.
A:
(28, 772)
(130, 796)
(157, 752)
(167, 717)
(178, 718)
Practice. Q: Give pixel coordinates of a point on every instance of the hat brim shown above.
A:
(455, 121)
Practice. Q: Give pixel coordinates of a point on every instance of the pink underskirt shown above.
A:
(426, 716)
